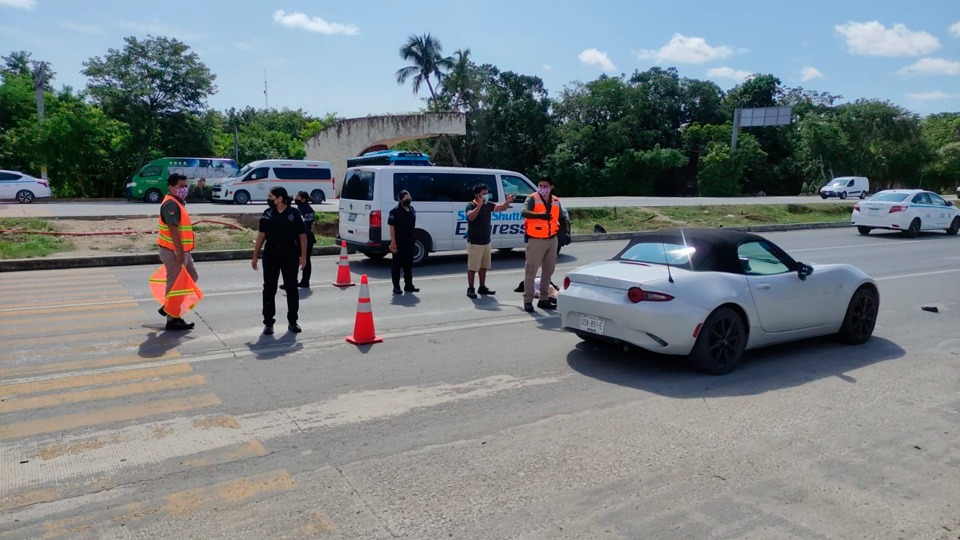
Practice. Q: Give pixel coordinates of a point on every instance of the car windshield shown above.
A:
(244, 170)
(888, 197)
(660, 253)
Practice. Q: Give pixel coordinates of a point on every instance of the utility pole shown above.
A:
(39, 82)
(266, 100)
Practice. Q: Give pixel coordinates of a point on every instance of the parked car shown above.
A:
(846, 186)
(906, 210)
(711, 294)
(22, 187)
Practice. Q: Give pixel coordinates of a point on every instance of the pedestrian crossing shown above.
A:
(80, 361)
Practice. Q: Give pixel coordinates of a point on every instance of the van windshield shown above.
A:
(244, 170)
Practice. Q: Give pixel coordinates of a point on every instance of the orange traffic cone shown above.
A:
(343, 269)
(363, 330)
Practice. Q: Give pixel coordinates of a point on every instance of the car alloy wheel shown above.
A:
(914, 228)
(317, 196)
(954, 227)
(861, 316)
(241, 197)
(843, 194)
(25, 196)
(721, 342)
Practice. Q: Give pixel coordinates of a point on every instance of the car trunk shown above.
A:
(622, 274)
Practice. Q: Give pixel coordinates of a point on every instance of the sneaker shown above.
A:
(528, 307)
(268, 330)
(396, 290)
(303, 285)
(471, 293)
(179, 324)
(546, 304)
(295, 328)
(411, 288)
(484, 290)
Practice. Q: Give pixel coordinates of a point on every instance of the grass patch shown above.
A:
(653, 218)
(15, 245)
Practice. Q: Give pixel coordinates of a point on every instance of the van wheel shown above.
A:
(421, 247)
(153, 196)
(823, 196)
(843, 194)
(375, 256)
(317, 196)
(241, 197)
(914, 230)
(863, 194)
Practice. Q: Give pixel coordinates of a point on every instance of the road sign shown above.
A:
(759, 117)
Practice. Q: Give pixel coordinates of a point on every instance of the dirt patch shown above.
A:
(218, 421)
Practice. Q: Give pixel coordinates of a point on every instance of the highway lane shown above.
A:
(472, 419)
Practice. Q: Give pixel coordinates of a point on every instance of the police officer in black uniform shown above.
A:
(285, 235)
(403, 222)
(303, 205)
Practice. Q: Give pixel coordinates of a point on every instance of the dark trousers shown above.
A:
(275, 265)
(403, 258)
(311, 241)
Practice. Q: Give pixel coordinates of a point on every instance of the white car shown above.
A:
(22, 187)
(711, 294)
(907, 210)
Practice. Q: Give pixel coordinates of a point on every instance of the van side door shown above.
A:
(508, 225)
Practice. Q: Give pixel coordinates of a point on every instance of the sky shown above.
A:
(340, 57)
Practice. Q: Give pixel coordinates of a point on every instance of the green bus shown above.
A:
(150, 182)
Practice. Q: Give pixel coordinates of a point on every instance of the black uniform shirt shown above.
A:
(404, 222)
(283, 230)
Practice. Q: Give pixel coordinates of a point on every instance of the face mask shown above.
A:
(272, 203)
(487, 197)
(405, 202)
(182, 192)
(544, 192)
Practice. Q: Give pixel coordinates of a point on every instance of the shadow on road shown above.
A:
(159, 341)
(762, 370)
(272, 347)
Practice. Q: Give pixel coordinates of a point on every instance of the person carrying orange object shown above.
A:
(176, 240)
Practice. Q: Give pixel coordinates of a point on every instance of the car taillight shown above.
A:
(898, 208)
(375, 219)
(566, 283)
(44, 184)
(856, 207)
(636, 294)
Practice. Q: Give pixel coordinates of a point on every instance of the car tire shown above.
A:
(375, 256)
(914, 230)
(861, 316)
(25, 196)
(241, 197)
(317, 196)
(823, 196)
(954, 227)
(153, 196)
(421, 247)
(843, 194)
(863, 195)
(864, 230)
(720, 344)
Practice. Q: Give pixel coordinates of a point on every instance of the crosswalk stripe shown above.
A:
(16, 313)
(58, 339)
(31, 279)
(35, 351)
(93, 380)
(62, 294)
(110, 415)
(56, 303)
(123, 318)
(76, 365)
(132, 389)
(231, 491)
(228, 454)
(45, 319)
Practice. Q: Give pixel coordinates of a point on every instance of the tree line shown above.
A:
(649, 133)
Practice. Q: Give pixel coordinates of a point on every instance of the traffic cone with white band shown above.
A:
(343, 269)
(363, 330)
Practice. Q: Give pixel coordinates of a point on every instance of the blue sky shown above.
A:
(341, 56)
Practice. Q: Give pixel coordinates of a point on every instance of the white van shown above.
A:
(846, 186)
(255, 180)
(440, 196)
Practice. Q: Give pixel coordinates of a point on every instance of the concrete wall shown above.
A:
(347, 138)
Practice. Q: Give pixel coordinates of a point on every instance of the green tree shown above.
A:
(425, 53)
(635, 172)
(146, 82)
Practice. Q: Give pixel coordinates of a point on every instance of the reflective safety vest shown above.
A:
(186, 228)
(542, 228)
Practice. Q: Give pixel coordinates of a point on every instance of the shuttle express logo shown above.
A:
(501, 223)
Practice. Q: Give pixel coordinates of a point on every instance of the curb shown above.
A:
(20, 265)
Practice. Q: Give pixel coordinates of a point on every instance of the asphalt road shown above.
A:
(128, 208)
(472, 419)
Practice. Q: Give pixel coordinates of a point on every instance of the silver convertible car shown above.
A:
(711, 294)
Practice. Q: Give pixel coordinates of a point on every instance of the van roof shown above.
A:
(420, 168)
(290, 163)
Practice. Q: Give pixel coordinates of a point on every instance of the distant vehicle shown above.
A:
(255, 180)
(150, 182)
(906, 210)
(390, 157)
(846, 186)
(22, 187)
(711, 294)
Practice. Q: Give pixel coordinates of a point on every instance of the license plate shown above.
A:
(873, 212)
(352, 217)
(591, 324)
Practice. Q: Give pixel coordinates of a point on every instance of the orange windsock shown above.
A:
(183, 296)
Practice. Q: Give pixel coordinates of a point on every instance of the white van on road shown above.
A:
(846, 186)
(440, 196)
(255, 180)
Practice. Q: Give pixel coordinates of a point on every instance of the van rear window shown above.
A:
(358, 186)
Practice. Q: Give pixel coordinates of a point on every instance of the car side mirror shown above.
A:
(949, 203)
(803, 270)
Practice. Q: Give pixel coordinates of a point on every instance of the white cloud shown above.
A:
(931, 66)
(686, 50)
(20, 4)
(808, 73)
(593, 57)
(82, 28)
(931, 96)
(955, 29)
(314, 24)
(874, 39)
(547, 67)
(728, 73)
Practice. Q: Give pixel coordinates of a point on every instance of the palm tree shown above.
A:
(426, 55)
(461, 85)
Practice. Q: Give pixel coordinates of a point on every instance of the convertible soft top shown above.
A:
(716, 249)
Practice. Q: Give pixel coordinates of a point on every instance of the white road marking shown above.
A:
(918, 274)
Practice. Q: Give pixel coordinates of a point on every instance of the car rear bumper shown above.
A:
(365, 247)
